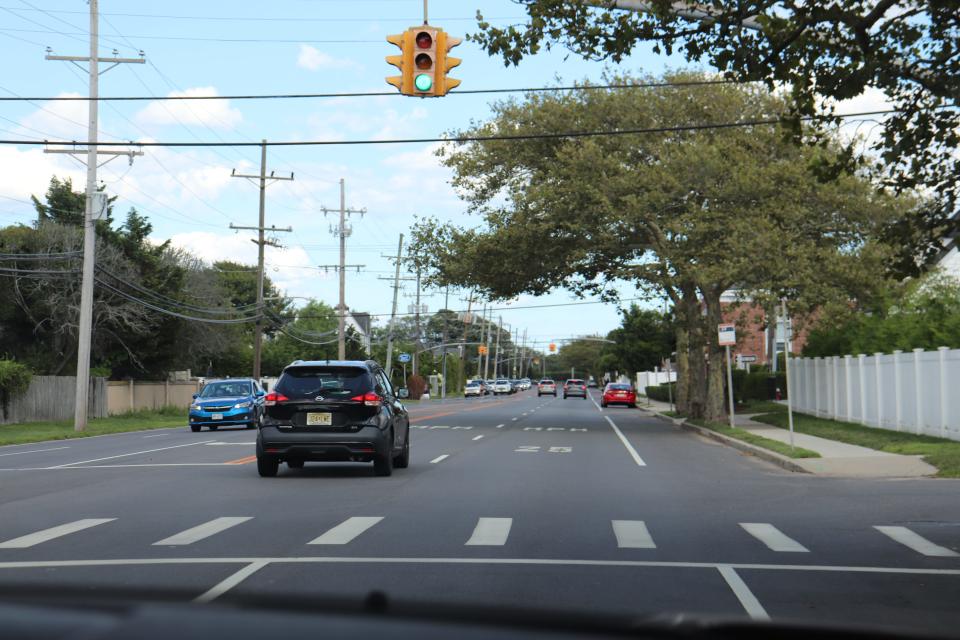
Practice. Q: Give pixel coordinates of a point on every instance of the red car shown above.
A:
(617, 393)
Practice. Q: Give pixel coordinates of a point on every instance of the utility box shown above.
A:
(435, 385)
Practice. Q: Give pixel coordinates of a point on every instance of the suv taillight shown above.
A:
(370, 399)
(273, 398)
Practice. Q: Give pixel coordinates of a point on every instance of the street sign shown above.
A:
(403, 358)
(727, 334)
(746, 359)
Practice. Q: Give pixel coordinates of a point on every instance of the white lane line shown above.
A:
(475, 438)
(740, 589)
(557, 562)
(202, 531)
(773, 537)
(120, 466)
(37, 537)
(124, 455)
(230, 582)
(626, 443)
(916, 542)
(632, 534)
(157, 435)
(231, 444)
(499, 426)
(18, 453)
(346, 530)
(440, 458)
(513, 419)
(490, 532)
(599, 408)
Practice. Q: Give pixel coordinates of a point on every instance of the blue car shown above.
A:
(227, 403)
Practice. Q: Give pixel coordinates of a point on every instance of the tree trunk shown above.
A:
(714, 410)
(696, 391)
(683, 370)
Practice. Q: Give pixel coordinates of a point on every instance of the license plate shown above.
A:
(319, 419)
(217, 416)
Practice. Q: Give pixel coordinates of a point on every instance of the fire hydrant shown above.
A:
(779, 395)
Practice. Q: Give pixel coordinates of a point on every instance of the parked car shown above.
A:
(473, 388)
(490, 384)
(547, 386)
(502, 386)
(575, 387)
(221, 403)
(333, 410)
(619, 393)
(525, 384)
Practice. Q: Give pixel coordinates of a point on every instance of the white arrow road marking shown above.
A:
(490, 532)
(32, 539)
(346, 530)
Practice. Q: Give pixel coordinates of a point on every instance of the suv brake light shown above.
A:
(273, 398)
(370, 399)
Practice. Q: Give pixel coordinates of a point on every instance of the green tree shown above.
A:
(823, 52)
(644, 338)
(688, 215)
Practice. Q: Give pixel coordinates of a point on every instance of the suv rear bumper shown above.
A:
(575, 392)
(357, 446)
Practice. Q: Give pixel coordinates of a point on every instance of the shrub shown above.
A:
(14, 378)
(661, 392)
(416, 386)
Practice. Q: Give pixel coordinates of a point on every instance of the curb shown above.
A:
(759, 452)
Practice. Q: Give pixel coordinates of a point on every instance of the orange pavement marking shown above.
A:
(246, 460)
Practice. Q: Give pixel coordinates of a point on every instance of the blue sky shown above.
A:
(223, 48)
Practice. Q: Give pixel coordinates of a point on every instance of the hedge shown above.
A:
(660, 392)
(14, 378)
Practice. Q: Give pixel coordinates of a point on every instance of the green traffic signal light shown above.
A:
(423, 82)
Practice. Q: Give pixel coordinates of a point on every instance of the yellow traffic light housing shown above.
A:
(423, 62)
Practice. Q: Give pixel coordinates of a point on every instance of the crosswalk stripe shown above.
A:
(632, 534)
(916, 542)
(202, 531)
(45, 535)
(773, 537)
(490, 532)
(346, 530)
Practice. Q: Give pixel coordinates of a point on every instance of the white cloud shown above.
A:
(210, 113)
(312, 59)
(63, 120)
(28, 172)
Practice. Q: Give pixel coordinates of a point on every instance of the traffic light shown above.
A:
(553, 347)
(423, 62)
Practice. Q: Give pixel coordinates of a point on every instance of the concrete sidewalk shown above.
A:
(837, 458)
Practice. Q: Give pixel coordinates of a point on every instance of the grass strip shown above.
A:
(942, 453)
(776, 446)
(63, 429)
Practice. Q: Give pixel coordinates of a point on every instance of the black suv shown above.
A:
(333, 410)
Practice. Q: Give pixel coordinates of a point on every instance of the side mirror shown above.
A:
(403, 393)
(195, 396)
(260, 393)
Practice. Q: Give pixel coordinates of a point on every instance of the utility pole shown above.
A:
(523, 355)
(496, 359)
(343, 230)
(443, 358)
(515, 364)
(461, 380)
(393, 313)
(484, 330)
(95, 205)
(261, 242)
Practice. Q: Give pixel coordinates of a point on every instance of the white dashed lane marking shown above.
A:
(346, 530)
(915, 541)
(440, 458)
(45, 535)
(773, 537)
(491, 532)
(202, 531)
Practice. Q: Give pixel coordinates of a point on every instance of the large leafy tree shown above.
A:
(642, 341)
(688, 215)
(823, 52)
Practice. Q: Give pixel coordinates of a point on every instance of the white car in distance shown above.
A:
(502, 386)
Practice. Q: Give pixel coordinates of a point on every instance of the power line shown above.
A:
(362, 94)
(260, 18)
(175, 314)
(474, 138)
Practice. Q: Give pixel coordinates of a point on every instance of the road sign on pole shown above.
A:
(727, 335)
(404, 358)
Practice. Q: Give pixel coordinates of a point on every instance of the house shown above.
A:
(754, 336)
(361, 324)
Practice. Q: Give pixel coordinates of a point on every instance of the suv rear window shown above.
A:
(546, 382)
(473, 383)
(574, 381)
(333, 382)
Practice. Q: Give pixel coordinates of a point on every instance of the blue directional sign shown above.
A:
(403, 358)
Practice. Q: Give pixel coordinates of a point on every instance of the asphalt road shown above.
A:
(520, 501)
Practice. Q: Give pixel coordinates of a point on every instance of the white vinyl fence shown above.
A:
(916, 391)
(653, 378)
